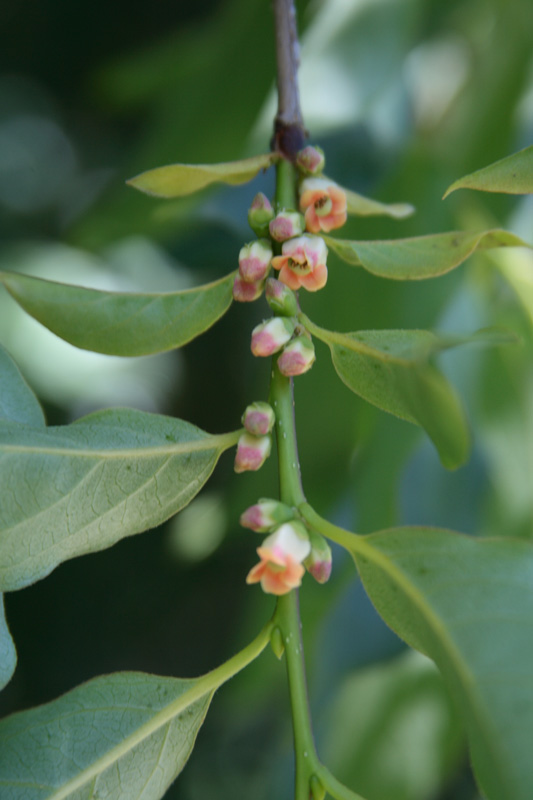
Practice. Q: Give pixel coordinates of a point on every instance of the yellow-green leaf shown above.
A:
(361, 206)
(510, 175)
(177, 180)
(419, 257)
(121, 323)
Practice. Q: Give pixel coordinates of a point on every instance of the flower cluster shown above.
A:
(283, 333)
(302, 263)
(288, 551)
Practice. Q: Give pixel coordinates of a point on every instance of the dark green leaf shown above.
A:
(79, 488)
(511, 175)
(422, 256)
(177, 180)
(118, 323)
(123, 737)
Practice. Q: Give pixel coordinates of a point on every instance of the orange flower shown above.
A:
(323, 203)
(303, 263)
(282, 553)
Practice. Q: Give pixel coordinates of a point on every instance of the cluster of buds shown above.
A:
(302, 262)
(283, 333)
(288, 551)
(255, 444)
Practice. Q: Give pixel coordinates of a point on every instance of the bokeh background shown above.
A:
(405, 96)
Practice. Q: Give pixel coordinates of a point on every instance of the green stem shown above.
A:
(326, 528)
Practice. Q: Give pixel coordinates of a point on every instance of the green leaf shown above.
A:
(511, 175)
(121, 737)
(126, 735)
(421, 256)
(177, 180)
(17, 401)
(390, 369)
(8, 654)
(79, 488)
(467, 604)
(117, 323)
(361, 206)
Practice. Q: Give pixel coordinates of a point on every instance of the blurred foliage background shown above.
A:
(405, 97)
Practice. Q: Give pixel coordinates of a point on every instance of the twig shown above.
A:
(289, 132)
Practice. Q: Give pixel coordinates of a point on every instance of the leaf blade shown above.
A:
(80, 488)
(17, 401)
(361, 206)
(420, 257)
(178, 180)
(120, 323)
(433, 577)
(510, 175)
(126, 719)
(8, 653)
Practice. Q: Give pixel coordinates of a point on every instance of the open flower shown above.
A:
(281, 554)
(303, 263)
(323, 203)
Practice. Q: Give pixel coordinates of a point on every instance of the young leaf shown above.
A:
(8, 654)
(390, 369)
(467, 604)
(511, 175)
(118, 323)
(127, 735)
(177, 180)
(17, 401)
(79, 488)
(422, 256)
(361, 206)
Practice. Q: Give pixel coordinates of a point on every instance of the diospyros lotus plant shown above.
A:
(74, 489)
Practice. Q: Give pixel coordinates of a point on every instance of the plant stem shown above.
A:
(289, 133)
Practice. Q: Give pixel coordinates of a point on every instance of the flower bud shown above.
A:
(318, 562)
(316, 787)
(254, 260)
(270, 336)
(297, 357)
(259, 418)
(245, 292)
(252, 452)
(285, 225)
(311, 160)
(266, 515)
(259, 214)
(276, 642)
(281, 299)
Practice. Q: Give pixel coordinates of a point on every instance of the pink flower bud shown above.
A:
(324, 205)
(281, 299)
(303, 263)
(254, 261)
(297, 357)
(252, 452)
(266, 515)
(259, 418)
(280, 568)
(244, 292)
(285, 225)
(270, 336)
(311, 160)
(318, 562)
(259, 214)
